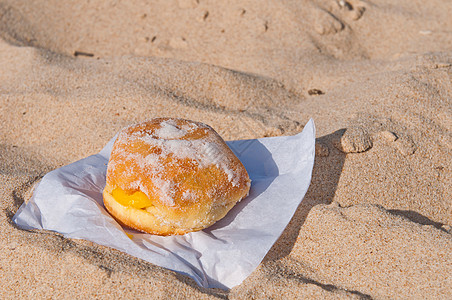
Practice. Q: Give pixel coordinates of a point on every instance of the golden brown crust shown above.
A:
(186, 170)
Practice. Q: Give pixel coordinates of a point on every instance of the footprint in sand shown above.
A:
(404, 144)
(353, 9)
(327, 23)
(387, 136)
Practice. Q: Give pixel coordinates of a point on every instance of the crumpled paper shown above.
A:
(68, 200)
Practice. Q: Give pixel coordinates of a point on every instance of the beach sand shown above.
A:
(374, 75)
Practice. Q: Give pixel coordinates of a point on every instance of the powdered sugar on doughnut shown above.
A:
(169, 130)
(143, 155)
(188, 195)
(166, 190)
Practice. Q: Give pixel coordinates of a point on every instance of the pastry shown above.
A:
(172, 176)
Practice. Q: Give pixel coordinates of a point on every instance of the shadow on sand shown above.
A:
(325, 177)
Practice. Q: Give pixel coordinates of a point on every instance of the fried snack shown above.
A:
(172, 176)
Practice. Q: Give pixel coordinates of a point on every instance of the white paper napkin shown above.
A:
(68, 200)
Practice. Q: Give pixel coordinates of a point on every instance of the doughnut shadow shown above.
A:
(261, 168)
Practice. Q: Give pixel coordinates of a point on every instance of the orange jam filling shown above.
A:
(137, 199)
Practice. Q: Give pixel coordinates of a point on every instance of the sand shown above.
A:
(374, 75)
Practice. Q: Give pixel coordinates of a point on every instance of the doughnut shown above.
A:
(169, 176)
